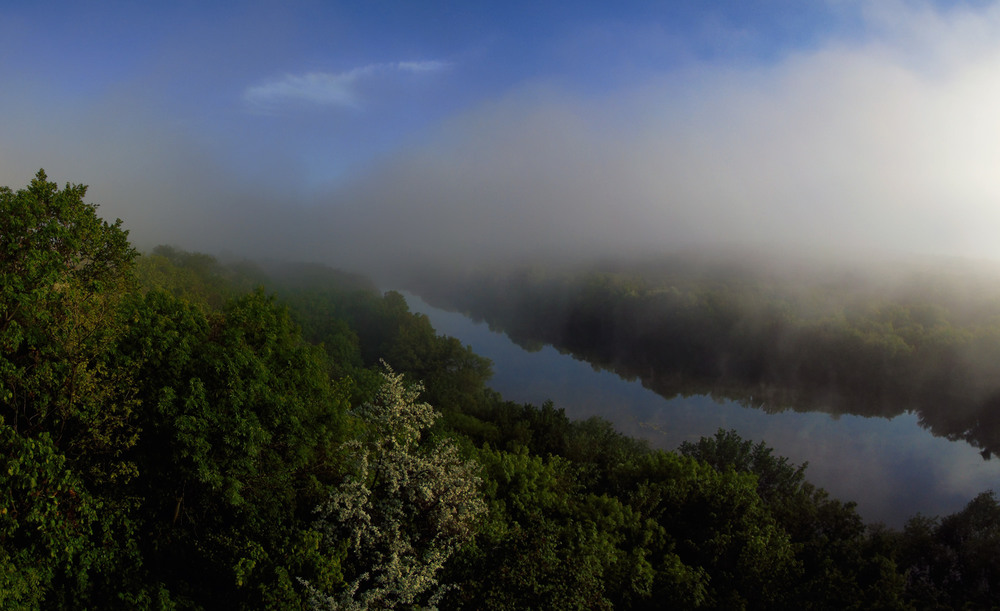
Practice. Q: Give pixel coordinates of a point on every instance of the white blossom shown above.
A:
(404, 509)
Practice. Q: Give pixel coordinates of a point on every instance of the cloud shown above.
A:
(422, 66)
(888, 140)
(342, 89)
(853, 147)
(314, 87)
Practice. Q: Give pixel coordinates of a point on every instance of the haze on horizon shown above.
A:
(369, 134)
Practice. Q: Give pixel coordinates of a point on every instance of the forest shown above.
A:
(177, 432)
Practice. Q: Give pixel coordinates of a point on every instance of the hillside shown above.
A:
(180, 433)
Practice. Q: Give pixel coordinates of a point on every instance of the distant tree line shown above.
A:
(833, 343)
(172, 435)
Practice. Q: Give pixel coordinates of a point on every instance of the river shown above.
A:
(893, 468)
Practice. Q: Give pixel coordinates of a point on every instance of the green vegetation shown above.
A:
(173, 437)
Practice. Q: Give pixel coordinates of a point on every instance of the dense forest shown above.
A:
(176, 432)
(920, 338)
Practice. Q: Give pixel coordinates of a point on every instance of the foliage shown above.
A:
(404, 508)
(544, 544)
(953, 561)
(776, 479)
(197, 277)
(837, 565)
(46, 521)
(63, 272)
(66, 411)
(240, 418)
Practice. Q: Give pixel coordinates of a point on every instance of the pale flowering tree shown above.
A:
(405, 508)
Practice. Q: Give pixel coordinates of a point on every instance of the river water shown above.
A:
(893, 468)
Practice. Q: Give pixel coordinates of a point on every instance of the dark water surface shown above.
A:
(892, 468)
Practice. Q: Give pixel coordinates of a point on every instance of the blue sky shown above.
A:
(331, 84)
(544, 125)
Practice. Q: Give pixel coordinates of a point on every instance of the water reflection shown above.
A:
(893, 468)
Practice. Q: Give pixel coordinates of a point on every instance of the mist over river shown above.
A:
(893, 468)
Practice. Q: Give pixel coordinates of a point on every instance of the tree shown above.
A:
(715, 522)
(63, 273)
(548, 544)
(404, 509)
(776, 478)
(953, 560)
(46, 520)
(65, 412)
(239, 420)
(838, 564)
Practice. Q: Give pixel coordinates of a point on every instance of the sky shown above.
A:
(376, 134)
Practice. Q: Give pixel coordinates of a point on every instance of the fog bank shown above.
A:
(882, 144)
(847, 150)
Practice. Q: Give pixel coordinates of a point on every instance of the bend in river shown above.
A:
(893, 468)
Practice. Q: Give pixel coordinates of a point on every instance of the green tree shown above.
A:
(716, 523)
(63, 274)
(64, 277)
(952, 561)
(837, 564)
(548, 544)
(240, 418)
(776, 478)
(46, 522)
